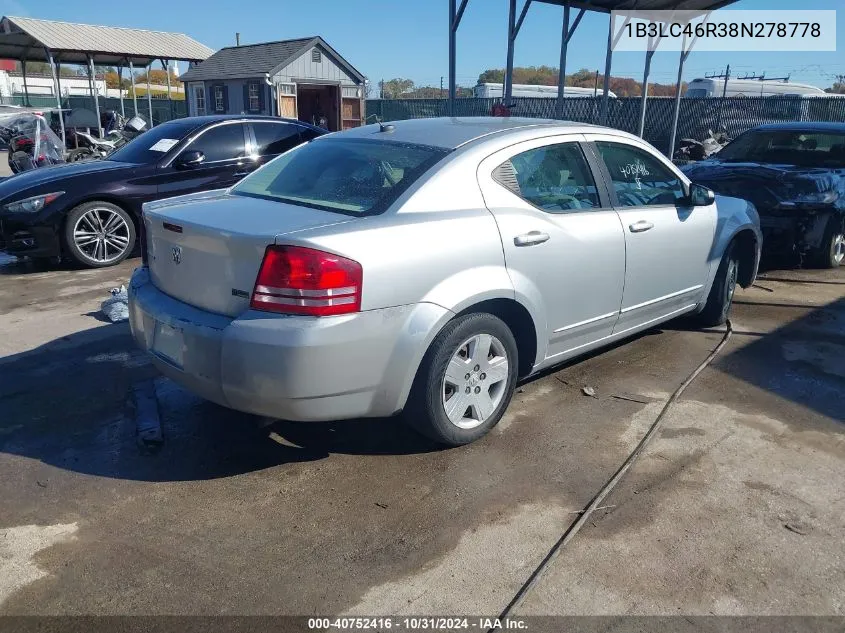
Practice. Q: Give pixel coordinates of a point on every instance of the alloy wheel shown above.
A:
(838, 248)
(101, 234)
(733, 271)
(475, 381)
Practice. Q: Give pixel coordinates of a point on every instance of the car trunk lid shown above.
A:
(206, 250)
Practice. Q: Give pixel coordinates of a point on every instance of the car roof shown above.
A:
(818, 126)
(454, 132)
(208, 119)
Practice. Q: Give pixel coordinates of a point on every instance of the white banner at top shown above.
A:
(725, 30)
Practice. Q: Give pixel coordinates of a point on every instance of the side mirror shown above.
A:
(189, 160)
(701, 196)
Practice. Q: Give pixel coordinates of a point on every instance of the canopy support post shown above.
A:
(566, 35)
(54, 69)
(150, 95)
(508, 82)
(134, 92)
(648, 55)
(25, 86)
(92, 81)
(455, 16)
(676, 113)
(166, 65)
(605, 100)
(120, 90)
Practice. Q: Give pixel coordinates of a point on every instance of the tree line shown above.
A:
(109, 73)
(401, 88)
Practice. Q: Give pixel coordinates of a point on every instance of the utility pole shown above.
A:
(441, 86)
(381, 89)
(237, 39)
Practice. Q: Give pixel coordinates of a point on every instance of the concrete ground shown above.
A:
(736, 508)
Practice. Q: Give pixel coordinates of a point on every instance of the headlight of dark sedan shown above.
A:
(33, 204)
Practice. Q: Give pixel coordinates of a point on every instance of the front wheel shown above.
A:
(721, 295)
(466, 380)
(99, 234)
(832, 251)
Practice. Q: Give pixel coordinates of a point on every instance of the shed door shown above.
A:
(287, 101)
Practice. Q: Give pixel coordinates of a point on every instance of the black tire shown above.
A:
(83, 153)
(426, 408)
(126, 235)
(829, 255)
(721, 295)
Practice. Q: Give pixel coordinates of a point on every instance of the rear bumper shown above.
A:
(290, 367)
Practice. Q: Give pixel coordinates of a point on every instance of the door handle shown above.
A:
(531, 238)
(640, 226)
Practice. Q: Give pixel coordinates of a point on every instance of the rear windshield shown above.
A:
(352, 176)
(787, 147)
(152, 145)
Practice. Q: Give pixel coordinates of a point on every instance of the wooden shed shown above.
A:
(305, 79)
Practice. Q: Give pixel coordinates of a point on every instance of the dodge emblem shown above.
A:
(177, 254)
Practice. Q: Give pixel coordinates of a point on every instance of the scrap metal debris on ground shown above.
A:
(116, 307)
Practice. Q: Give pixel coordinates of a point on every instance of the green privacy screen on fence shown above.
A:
(734, 114)
(163, 110)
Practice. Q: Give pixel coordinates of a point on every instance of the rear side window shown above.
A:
(639, 178)
(223, 142)
(352, 176)
(276, 138)
(555, 178)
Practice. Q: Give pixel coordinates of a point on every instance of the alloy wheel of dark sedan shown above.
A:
(99, 234)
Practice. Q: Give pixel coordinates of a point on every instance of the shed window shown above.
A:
(219, 106)
(254, 99)
(199, 96)
(316, 55)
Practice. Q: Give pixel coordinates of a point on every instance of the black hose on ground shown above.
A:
(608, 487)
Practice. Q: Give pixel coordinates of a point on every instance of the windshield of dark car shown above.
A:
(787, 147)
(153, 144)
(352, 176)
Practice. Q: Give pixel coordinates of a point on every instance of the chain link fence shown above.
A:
(163, 109)
(734, 115)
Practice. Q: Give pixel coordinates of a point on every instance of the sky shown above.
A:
(384, 39)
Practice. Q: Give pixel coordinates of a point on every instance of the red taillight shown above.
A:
(142, 238)
(299, 280)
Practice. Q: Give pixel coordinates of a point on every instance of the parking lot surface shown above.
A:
(737, 507)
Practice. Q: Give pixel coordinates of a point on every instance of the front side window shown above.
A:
(218, 99)
(351, 176)
(199, 96)
(254, 100)
(639, 178)
(222, 142)
(555, 178)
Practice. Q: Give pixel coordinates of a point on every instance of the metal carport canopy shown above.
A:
(29, 39)
(600, 6)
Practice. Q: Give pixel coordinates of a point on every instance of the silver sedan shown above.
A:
(424, 267)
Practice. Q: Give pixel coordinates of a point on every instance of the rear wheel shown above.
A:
(832, 251)
(721, 295)
(99, 234)
(466, 380)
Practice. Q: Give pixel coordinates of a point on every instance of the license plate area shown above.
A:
(169, 344)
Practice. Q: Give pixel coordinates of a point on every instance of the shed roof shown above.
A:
(253, 60)
(26, 38)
